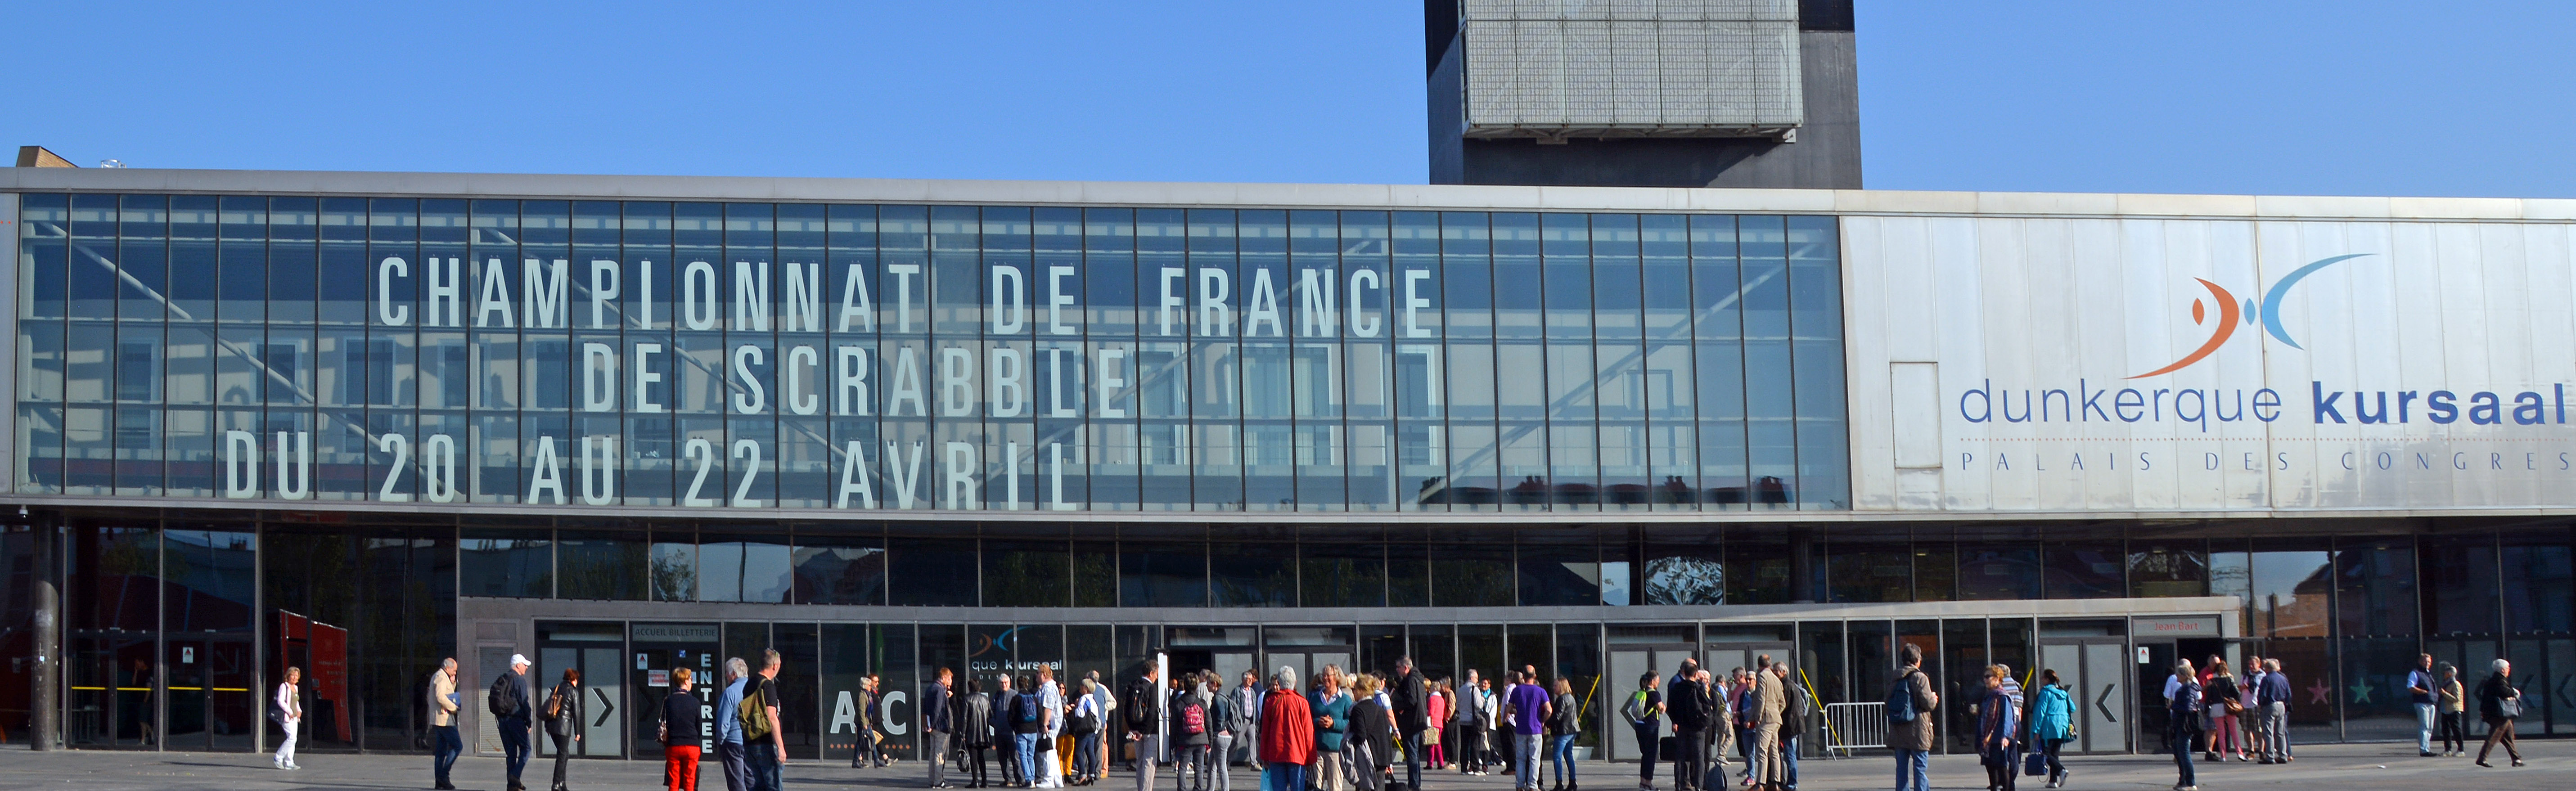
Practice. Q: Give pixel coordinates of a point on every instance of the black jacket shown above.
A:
(1404, 693)
(1689, 705)
(1370, 723)
(975, 721)
(2491, 697)
(568, 721)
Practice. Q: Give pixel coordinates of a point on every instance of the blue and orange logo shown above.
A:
(2232, 312)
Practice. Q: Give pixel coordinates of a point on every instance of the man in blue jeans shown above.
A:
(1911, 738)
(1529, 709)
(2420, 683)
(729, 748)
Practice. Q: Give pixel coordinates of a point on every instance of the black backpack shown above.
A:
(500, 698)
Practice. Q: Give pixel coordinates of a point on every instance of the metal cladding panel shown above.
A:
(1636, 67)
(2178, 365)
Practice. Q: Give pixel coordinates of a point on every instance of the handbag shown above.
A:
(2509, 708)
(2034, 764)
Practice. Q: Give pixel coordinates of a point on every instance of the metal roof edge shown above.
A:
(1283, 195)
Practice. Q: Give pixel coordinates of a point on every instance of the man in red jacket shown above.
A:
(1287, 734)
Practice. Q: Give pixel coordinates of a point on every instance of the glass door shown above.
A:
(653, 651)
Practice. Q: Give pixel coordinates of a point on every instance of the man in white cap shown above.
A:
(508, 700)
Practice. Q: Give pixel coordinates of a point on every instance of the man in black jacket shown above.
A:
(1406, 693)
(1688, 702)
(511, 712)
(935, 728)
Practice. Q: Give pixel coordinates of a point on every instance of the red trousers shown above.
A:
(680, 767)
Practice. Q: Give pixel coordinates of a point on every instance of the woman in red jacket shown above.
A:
(1287, 734)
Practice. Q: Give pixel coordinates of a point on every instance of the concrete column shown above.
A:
(43, 706)
(1802, 565)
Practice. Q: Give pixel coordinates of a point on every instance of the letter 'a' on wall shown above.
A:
(733, 356)
(2080, 364)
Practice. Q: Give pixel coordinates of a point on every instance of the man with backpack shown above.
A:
(1793, 723)
(1028, 723)
(764, 741)
(936, 723)
(1910, 704)
(508, 702)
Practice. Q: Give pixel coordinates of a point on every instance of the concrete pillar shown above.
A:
(43, 706)
(1802, 565)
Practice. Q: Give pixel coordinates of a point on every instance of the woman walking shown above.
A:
(2450, 703)
(2498, 704)
(1564, 723)
(2052, 723)
(2224, 706)
(289, 715)
(563, 722)
(1998, 721)
(679, 733)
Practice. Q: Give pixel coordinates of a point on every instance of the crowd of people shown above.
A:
(1347, 731)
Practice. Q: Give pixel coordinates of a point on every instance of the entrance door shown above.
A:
(653, 651)
(593, 649)
(2093, 672)
(1626, 664)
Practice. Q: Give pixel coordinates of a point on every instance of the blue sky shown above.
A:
(2285, 97)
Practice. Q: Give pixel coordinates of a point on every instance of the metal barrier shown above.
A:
(1853, 726)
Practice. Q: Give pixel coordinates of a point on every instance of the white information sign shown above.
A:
(2175, 365)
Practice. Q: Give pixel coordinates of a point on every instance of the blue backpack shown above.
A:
(1900, 701)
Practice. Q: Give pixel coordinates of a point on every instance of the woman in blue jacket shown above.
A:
(2052, 723)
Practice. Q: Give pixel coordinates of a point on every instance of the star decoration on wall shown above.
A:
(2317, 693)
(2361, 691)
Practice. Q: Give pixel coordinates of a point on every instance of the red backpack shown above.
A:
(1194, 718)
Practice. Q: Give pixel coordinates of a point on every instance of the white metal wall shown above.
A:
(1953, 319)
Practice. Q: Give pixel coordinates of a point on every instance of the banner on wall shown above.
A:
(2019, 364)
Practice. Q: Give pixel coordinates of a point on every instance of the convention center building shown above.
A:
(359, 422)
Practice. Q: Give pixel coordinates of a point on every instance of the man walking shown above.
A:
(511, 712)
(731, 755)
(1529, 709)
(446, 743)
(2274, 696)
(1911, 736)
(2420, 683)
(1287, 734)
(766, 752)
(1688, 700)
(1407, 699)
(935, 727)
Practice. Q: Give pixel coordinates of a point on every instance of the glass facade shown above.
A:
(668, 409)
(742, 356)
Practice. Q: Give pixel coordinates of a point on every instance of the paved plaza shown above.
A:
(2341, 767)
